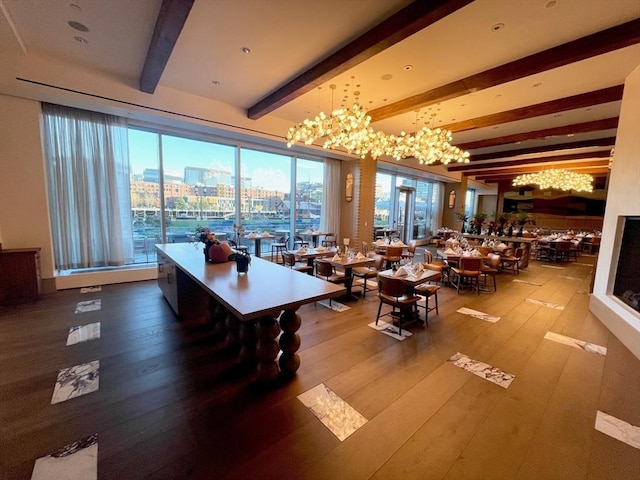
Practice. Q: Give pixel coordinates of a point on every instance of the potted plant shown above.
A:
(462, 218)
(478, 221)
(206, 236)
(502, 220)
(522, 218)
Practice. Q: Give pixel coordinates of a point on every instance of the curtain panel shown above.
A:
(87, 164)
(330, 221)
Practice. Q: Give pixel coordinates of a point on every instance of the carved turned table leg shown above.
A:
(267, 330)
(289, 361)
(526, 254)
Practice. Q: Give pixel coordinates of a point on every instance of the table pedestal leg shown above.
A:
(289, 361)
(267, 330)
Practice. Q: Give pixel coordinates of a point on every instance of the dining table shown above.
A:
(310, 254)
(250, 309)
(411, 281)
(314, 235)
(257, 239)
(348, 264)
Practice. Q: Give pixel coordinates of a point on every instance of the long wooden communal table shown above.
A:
(251, 309)
(523, 241)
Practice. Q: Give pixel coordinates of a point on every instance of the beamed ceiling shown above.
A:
(522, 84)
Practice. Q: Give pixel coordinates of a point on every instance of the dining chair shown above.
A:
(490, 267)
(289, 260)
(427, 291)
(576, 246)
(437, 266)
(370, 271)
(512, 262)
(560, 251)
(327, 272)
(329, 240)
(299, 242)
(279, 247)
(235, 246)
(543, 250)
(470, 269)
(392, 255)
(410, 252)
(392, 292)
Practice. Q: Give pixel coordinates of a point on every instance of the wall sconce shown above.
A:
(348, 194)
(452, 199)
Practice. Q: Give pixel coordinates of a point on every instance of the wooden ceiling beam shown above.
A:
(614, 38)
(597, 97)
(411, 19)
(171, 18)
(528, 161)
(605, 124)
(597, 142)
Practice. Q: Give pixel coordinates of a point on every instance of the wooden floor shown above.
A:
(173, 403)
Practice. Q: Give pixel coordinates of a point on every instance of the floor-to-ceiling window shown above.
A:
(309, 190)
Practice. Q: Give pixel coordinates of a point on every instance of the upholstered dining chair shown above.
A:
(437, 266)
(235, 246)
(427, 291)
(410, 252)
(327, 272)
(512, 262)
(289, 260)
(329, 240)
(299, 242)
(392, 292)
(469, 270)
(490, 267)
(371, 271)
(392, 255)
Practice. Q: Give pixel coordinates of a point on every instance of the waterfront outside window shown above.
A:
(382, 202)
(309, 191)
(144, 183)
(198, 186)
(265, 195)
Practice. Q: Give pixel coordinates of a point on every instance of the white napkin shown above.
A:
(379, 242)
(302, 250)
(450, 251)
(502, 246)
(309, 231)
(401, 272)
(450, 240)
(251, 235)
(418, 268)
(360, 256)
(475, 253)
(336, 258)
(265, 234)
(466, 254)
(320, 248)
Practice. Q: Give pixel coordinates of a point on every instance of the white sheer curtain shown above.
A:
(88, 179)
(330, 221)
(436, 222)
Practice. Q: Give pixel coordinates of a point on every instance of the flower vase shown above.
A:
(520, 231)
(242, 264)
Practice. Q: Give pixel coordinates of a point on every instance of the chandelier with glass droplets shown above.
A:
(349, 128)
(557, 178)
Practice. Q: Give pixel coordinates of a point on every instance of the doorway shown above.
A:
(404, 212)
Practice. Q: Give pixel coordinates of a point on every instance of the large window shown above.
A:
(309, 191)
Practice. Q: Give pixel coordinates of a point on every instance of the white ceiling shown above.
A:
(286, 37)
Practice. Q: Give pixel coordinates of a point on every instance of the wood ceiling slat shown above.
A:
(597, 142)
(411, 19)
(171, 18)
(598, 43)
(525, 161)
(605, 95)
(604, 124)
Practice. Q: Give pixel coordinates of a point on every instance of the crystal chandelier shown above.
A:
(349, 128)
(557, 178)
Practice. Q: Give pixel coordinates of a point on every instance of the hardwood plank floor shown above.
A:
(173, 402)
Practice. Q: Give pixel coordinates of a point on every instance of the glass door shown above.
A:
(404, 210)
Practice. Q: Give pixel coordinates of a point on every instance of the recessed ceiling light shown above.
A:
(557, 115)
(550, 4)
(536, 84)
(407, 67)
(81, 40)
(215, 82)
(78, 26)
(386, 76)
(570, 134)
(75, 7)
(245, 50)
(497, 27)
(498, 95)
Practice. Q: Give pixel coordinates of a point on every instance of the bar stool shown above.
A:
(279, 247)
